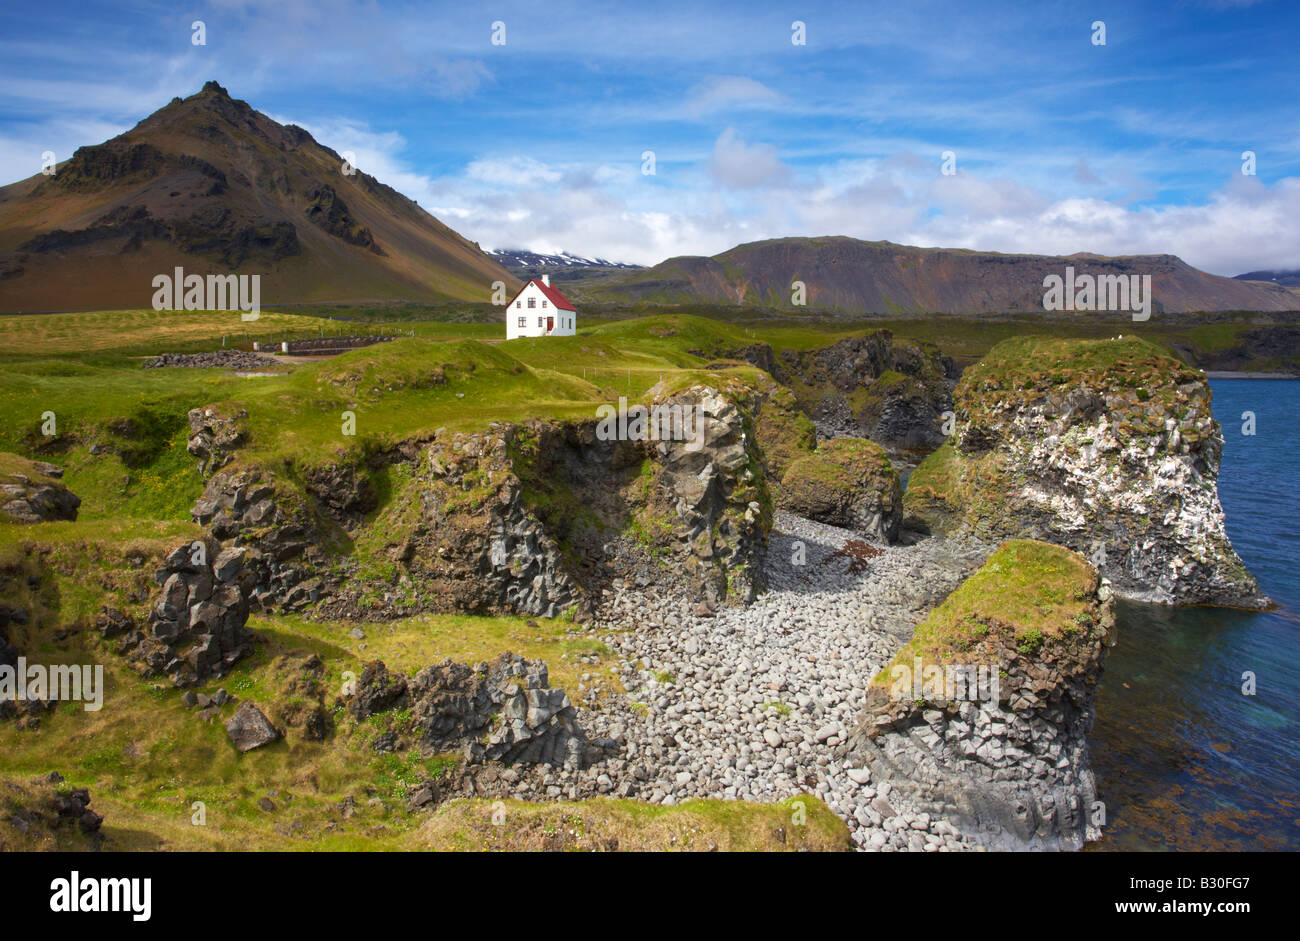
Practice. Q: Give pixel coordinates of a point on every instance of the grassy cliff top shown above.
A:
(13, 466)
(1041, 363)
(839, 463)
(1028, 589)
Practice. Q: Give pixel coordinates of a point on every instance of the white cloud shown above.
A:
(1245, 224)
(457, 78)
(731, 92)
(511, 171)
(739, 165)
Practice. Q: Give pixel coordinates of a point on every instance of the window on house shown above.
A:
(539, 321)
(519, 303)
(543, 303)
(523, 321)
(532, 302)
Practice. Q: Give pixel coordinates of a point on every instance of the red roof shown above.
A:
(553, 294)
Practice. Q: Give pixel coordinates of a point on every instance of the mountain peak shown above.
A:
(210, 183)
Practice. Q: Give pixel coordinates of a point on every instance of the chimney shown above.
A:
(546, 279)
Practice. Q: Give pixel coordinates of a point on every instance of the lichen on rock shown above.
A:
(1106, 446)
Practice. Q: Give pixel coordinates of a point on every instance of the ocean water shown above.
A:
(1184, 760)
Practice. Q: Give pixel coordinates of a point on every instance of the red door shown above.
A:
(550, 324)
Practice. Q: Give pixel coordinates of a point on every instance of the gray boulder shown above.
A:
(249, 728)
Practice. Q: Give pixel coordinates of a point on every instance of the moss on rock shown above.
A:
(1106, 446)
(846, 482)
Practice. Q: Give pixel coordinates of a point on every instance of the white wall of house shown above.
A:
(528, 315)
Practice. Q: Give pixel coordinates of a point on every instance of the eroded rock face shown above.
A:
(1007, 762)
(378, 690)
(849, 483)
(277, 526)
(475, 545)
(30, 492)
(196, 626)
(214, 437)
(504, 710)
(1108, 447)
(542, 517)
(720, 505)
(893, 391)
(523, 519)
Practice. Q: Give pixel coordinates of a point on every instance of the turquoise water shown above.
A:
(1183, 759)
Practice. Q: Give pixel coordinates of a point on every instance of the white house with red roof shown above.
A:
(540, 310)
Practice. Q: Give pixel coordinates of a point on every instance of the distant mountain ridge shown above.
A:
(522, 258)
(212, 185)
(564, 266)
(858, 277)
(1289, 279)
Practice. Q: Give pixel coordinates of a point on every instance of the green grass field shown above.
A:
(120, 432)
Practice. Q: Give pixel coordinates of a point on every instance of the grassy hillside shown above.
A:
(147, 758)
(121, 434)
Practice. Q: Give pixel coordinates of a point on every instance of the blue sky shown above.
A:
(1060, 145)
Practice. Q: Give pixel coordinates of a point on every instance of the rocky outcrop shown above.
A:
(714, 498)
(542, 517)
(474, 544)
(1106, 446)
(343, 491)
(45, 815)
(982, 719)
(73, 806)
(214, 437)
(783, 432)
(328, 210)
(280, 527)
(30, 492)
(892, 390)
(504, 710)
(522, 518)
(378, 690)
(849, 483)
(889, 389)
(196, 626)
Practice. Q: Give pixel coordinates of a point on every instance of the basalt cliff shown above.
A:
(1108, 447)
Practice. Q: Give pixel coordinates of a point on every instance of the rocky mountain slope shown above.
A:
(209, 184)
(858, 277)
